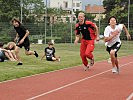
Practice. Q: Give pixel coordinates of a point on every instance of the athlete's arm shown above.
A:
(77, 34)
(96, 32)
(127, 33)
(5, 50)
(76, 39)
(16, 37)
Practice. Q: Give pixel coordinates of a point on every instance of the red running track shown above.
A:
(74, 84)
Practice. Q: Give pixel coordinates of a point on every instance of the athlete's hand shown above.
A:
(97, 39)
(21, 41)
(128, 37)
(116, 32)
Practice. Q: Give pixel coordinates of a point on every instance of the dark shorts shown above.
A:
(26, 44)
(2, 56)
(49, 59)
(115, 47)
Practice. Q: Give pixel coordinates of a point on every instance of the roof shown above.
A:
(94, 9)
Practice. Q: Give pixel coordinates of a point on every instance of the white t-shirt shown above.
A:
(108, 32)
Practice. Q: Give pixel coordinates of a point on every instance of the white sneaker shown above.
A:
(59, 59)
(115, 70)
(86, 68)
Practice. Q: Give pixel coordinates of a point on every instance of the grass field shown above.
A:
(69, 57)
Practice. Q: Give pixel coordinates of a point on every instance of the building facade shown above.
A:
(95, 10)
(76, 5)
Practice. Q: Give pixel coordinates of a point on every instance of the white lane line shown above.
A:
(54, 90)
(54, 71)
(130, 97)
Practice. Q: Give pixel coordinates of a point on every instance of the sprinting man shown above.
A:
(89, 33)
(50, 53)
(112, 37)
(22, 40)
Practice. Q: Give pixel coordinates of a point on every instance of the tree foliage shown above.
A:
(118, 8)
(9, 9)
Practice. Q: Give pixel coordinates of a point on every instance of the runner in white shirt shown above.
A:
(111, 36)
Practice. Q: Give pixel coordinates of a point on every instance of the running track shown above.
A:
(74, 84)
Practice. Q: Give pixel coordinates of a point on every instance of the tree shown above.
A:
(33, 10)
(9, 9)
(118, 8)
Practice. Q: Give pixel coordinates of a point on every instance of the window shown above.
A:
(65, 4)
(73, 4)
(77, 4)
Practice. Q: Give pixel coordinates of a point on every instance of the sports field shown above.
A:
(69, 58)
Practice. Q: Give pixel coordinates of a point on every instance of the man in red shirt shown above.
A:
(89, 33)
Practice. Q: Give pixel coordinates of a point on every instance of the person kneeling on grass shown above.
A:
(5, 54)
(50, 53)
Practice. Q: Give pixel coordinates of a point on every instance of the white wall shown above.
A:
(61, 3)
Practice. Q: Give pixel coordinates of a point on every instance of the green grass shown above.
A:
(69, 57)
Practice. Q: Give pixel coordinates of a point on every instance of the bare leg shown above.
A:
(14, 55)
(112, 56)
(116, 62)
(8, 56)
(31, 53)
(17, 50)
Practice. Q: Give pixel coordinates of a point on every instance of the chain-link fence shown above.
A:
(45, 23)
(60, 33)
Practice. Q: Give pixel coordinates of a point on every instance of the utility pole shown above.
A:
(71, 20)
(128, 14)
(45, 21)
(21, 5)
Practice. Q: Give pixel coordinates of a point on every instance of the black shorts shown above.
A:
(2, 56)
(49, 59)
(115, 47)
(26, 44)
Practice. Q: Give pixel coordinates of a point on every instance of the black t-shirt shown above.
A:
(50, 52)
(21, 30)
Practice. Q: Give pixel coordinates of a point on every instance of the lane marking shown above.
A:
(73, 83)
(55, 71)
(130, 97)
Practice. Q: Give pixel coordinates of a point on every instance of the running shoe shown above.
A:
(20, 63)
(91, 62)
(36, 54)
(114, 70)
(86, 68)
